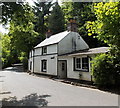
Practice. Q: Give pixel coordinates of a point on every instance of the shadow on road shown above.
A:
(4, 93)
(1, 81)
(2, 76)
(29, 100)
(14, 69)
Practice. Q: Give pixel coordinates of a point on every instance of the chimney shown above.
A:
(72, 25)
(48, 34)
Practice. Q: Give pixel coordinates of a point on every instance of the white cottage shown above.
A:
(65, 55)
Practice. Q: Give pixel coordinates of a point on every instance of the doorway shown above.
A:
(62, 68)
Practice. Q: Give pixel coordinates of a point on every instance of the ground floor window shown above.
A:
(81, 63)
(30, 65)
(44, 65)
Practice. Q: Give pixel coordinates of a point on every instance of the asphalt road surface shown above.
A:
(20, 88)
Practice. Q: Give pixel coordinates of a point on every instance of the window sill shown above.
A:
(44, 71)
(44, 54)
(81, 70)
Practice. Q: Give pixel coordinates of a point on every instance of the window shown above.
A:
(44, 65)
(44, 50)
(85, 63)
(81, 63)
(30, 65)
(63, 66)
(78, 63)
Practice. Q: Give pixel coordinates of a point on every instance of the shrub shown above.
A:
(23, 58)
(25, 63)
(103, 70)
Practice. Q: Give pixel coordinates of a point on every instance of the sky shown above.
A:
(3, 30)
(31, 1)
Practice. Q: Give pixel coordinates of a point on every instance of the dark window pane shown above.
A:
(63, 66)
(85, 63)
(44, 65)
(44, 50)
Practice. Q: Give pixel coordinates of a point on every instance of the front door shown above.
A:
(62, 69)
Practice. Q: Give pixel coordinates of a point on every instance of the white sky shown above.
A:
(3, 30)
(31, 1)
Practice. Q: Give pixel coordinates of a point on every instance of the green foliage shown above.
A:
(82, 12)
(68, 10)
(21, 37)
(102, 70)
(106, 70)
(22, 30)
(23, 58)
(22, 34)
(56, 19)
(5, 47)
(1, 44)
(6, 53)
(8, 9)
(107, 25)
(41, 11)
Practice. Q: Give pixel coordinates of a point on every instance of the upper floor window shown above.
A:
(81, 63)
(44, 50)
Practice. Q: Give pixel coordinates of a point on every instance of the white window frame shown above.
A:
(76, 68)
(44, 49)
(81, 64)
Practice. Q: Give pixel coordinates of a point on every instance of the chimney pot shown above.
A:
(72, 25)
(48, 34)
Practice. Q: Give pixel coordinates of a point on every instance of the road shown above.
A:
(24, 89)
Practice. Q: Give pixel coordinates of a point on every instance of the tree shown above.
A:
(107, 29)
(68, 10)
(22, 34)
(8, 54)
(107, 24)
(5, 43)
(22, 29)
(21, 37)
(56, 20)
(82, 12)
(41, 11)
(8, 9)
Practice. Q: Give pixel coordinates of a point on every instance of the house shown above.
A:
(65, 55)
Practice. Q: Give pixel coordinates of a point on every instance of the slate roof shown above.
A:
(54, 39)
(92, 51)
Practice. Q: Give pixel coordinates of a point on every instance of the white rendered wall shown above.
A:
(72, 42)
(30, 60)
(37, 51)
(51, 64)
(75, 74)
(51, 49)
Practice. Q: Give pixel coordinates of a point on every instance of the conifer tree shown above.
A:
(56, 20)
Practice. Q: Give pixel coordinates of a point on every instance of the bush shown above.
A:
(116, 75)
(25, 63)
(23, 58)
(103, 70)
